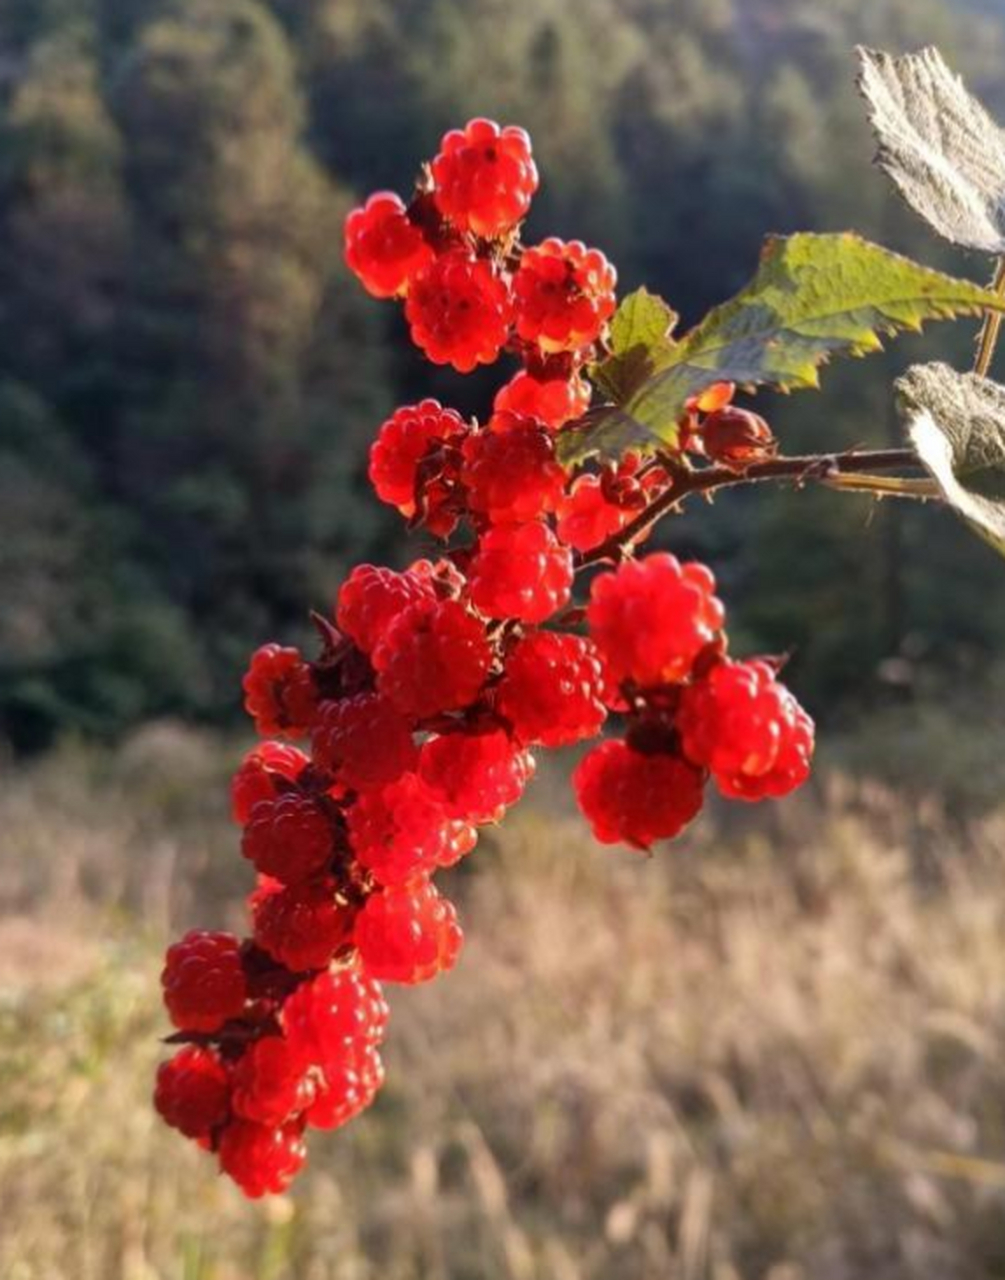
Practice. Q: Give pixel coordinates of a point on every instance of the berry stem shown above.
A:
(835, 469)
(987, 339)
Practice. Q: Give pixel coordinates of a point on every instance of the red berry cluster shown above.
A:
(417, 717)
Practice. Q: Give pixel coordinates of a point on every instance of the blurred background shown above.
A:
(773, 1051)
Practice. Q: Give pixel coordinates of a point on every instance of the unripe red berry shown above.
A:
(476, 776)
(651, 618)
(279, 691)
(564, 295)
(512, 475)
(551, 690)
(302, 926)
(383, 247)
(404, 441)
(271, 1084)
(432, 658)
(459, 311)
(290, 837)
(261, 775)
(364, 741)
(553, 401)
(192, 1093)
(402, 830)
(371, 598)
(634, 798)
(328, 1019)
(521, 571)
(203, 980)
(484, 178)
(408, 933)
(260, 1159)
(747, 728)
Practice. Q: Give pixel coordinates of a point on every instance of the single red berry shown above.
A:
(553, 401)
(261, 775)
(511, 473)
(260, 1159)
(551, 689)
(651, 618)
(459, 311)
(271, 1082)
(484, 178)
(564, 295)
(737, 438)
(400, 457)
(740, 722)
(346, 1089)
(327, 1019)
(408, 933)
(636, 798)
(192, 1093)
(365, 740)
(304, 925)
(476, 776)
(203, 980)
(371, 598)
(290, 837)
(521, 571)
(402, 830)
(433, 657)
(383, 247)
(588, 516)
(279, 691)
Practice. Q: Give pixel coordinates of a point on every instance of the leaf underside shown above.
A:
(956, 423)
(813, 297)
(939, 146)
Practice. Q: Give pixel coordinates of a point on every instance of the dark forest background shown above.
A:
(188, 380)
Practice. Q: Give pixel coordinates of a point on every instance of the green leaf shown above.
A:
(956, 423)
(940, 148)
(814, 297)
(640, 344)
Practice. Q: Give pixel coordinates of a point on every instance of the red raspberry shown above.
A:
(408, 934)
(477, 776)
(279, 691)
(192, 1093)
(651, 618)
(484, 178)
(459, 311)
(589, 515)
(271, 1084)
(203, 980)
(553, 401)
(737, 438)
(403, 442)
(302, 926)
(365, 740)
(347, 1089)
(564, 295)
(262, 1160)
(383, 247)
(327, 1019)
(433, 657)
(370, 599)
(402, 829)
(550, 691)
(290, 838)
(512, 475)
(261, 774)
(636, 798)
(745, 726)
(521, 571)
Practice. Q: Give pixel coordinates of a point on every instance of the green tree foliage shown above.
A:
(187, 379)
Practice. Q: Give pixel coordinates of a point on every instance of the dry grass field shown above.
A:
(774, 1051)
